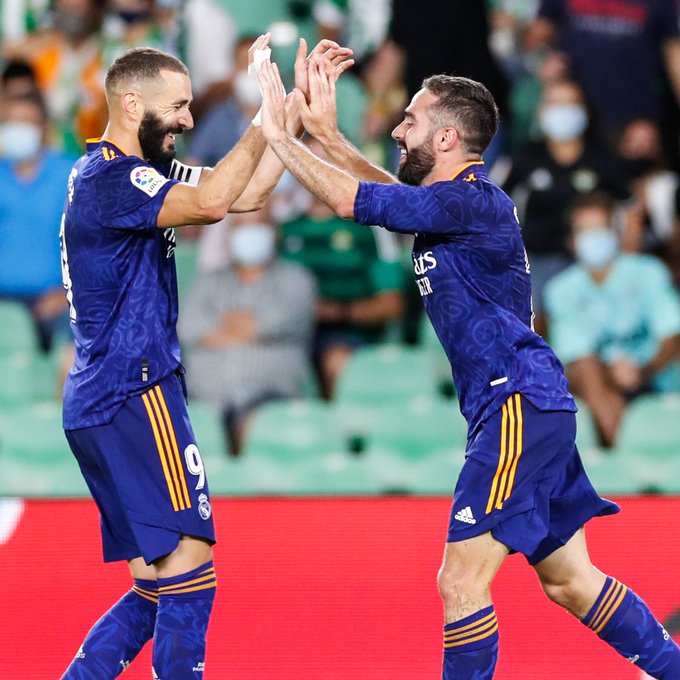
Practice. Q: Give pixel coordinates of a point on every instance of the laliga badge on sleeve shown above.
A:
(147, 179)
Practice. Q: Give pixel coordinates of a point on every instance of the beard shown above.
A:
(417, 164)
(151, 136)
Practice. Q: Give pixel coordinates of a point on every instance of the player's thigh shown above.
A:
(191, 553)
(472, 563)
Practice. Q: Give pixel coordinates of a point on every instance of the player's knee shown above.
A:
(566, 593)
(457, 584)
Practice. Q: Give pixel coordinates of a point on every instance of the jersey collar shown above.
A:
(109, 149)
(477, 168)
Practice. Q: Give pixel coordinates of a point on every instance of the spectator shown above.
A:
(442, 36)
(546, 177)
(134, 23)
(67, 59)
(614, 319)
(33, 177)
(360, 281)
(18, 79)
(247, 328)
(616, 51)
(655, 186)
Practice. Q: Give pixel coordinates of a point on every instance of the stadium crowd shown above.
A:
(275, 305)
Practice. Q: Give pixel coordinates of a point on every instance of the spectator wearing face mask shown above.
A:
(548, 175)
(247, 328)
(614, 319)
(67, 58)
(33, 178)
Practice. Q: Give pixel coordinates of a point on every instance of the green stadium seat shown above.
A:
(406, 442)
(27, 377)
(587, 438)
(336, 474)
(35, 458)
(17, 330)
(186, 262)
(651, 426)
(612, 474)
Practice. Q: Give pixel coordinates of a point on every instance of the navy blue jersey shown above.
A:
(473, 274)
(119, 275)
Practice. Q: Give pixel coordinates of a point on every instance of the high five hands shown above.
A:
(313, 98)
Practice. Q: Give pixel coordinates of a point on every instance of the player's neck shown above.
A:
(126, 140)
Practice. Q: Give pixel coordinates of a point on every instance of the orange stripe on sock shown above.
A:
(481, 636)
(482, 621)
(205, 579)
(609, 596)
(146, 594)
(615, 605)
(454, 635)
(161, 451)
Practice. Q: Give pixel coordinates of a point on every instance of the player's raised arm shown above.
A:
(333, 186)
(270, 168)
(214, 196)
(319, 116)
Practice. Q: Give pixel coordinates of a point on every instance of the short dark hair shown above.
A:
(141, 63)
(33, 99)
(466, 105)
(597, 199)
(18, 68)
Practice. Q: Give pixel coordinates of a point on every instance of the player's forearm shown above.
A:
(346, 156)
(222, 187)
(335, 187)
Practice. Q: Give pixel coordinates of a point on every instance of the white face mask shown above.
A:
(252, 244)
(596, 248)
(20, 141)
(246, 90)
(563, 122)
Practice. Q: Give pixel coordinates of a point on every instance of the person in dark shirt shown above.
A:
(522, 487)
(548, 175)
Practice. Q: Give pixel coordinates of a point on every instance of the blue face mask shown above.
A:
(20, 141)
(252, 244)
(563, 122)
(596, 248)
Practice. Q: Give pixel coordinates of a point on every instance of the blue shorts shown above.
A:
(146, 475)
(523, 481)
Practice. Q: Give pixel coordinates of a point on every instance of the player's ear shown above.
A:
(131, 103)
(447, 137)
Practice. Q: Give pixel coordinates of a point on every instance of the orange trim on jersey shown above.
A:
(173, 441)
(161, 452)
(465, 167)
(174, 463)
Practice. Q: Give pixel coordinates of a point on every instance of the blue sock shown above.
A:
(626, 623)
(118, 636)
(184, 606)
(471, 647)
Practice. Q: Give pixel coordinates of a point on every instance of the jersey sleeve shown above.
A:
(131, 194)
(441, 208)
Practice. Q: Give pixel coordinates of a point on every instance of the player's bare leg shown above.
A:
(471, 630)
(609, 608)
(186, 592)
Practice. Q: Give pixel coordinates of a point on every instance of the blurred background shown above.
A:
(313, 375)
